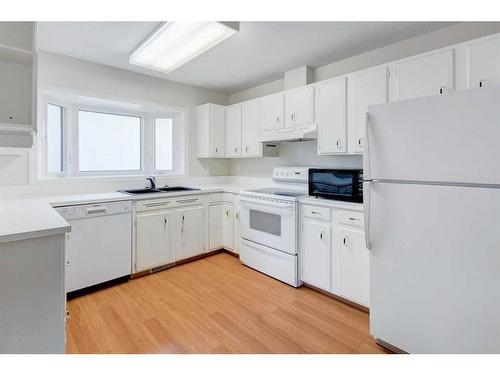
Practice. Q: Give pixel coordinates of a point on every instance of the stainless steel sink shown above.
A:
(140, 191)
(159, 190)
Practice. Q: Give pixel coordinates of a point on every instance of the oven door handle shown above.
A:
(248, 202)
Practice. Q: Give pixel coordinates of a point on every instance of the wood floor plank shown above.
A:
(214, 305)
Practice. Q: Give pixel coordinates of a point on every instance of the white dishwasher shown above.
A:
(99, 247)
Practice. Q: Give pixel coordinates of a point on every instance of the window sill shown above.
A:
(102, 178)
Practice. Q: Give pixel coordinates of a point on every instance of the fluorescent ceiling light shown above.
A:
(175, 43)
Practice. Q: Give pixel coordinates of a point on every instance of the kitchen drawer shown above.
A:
(215, 198)
(228, 197)
(352, 218)
(322, 213)
(153, 204)
(188, 200)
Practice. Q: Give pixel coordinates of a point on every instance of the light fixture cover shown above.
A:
(175, 43)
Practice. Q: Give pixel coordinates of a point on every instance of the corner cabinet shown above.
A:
(211, 129)
(224, 222)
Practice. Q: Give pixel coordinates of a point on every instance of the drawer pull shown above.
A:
(188, 200)
(158, 204)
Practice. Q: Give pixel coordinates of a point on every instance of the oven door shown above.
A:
(269, 223)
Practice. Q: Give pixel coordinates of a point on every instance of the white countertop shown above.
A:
(331, 203)
(22, 219)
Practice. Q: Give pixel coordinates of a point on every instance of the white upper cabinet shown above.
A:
(18, 83)
(299, 106)
(272, 111)
(233, 130)
(483, 63)
(426, 75)
(210, 124)
(368, 87)
(331, 116)
(250, 129)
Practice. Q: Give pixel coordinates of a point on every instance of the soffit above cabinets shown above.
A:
(260, 52)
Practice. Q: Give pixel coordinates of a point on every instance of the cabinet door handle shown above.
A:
(293, 116)
(442, 90)
(482, 82)
(360, 142)
(68, 263)
(236, 149)
(237, 216)
(338, 144)
(321, 235)
(67, 315)
(164, 221)
(344, 241)
(246, 149)
(227, 213)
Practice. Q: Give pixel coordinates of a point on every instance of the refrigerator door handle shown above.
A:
(367, 173)
(366, 211)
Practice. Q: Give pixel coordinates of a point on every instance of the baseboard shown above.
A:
(174, 264)
(338, 298)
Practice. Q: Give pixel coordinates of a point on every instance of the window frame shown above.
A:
(76, 142)
(70, 138)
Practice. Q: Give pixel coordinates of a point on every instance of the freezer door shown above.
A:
(444, 138)
(435, 268)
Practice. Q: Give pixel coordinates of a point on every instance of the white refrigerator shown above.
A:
(432, 218)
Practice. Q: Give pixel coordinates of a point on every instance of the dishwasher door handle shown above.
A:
(96, 210)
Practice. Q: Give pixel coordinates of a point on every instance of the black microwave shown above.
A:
(337, 184)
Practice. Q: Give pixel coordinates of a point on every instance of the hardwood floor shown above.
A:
(214, 305)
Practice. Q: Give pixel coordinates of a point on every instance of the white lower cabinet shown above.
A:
(236, 229)
(228, 226)
(215, 218)
(224, 223)
(354, 261)
(332, 253)
(153, 239)
(190, 231)
(316, 253)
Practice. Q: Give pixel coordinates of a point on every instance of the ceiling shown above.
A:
(259, 53)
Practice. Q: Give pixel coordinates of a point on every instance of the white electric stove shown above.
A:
(269, 221)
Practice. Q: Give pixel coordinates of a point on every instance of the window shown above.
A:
(54, 138)
(81, 137)
(108, 142)
(163, 144)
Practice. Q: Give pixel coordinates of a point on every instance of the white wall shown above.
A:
(305, 154)
(66, 73)
(426, 42)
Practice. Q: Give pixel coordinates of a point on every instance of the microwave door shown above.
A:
(271, 224)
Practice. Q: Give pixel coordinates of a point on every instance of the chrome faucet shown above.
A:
(152, 182)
